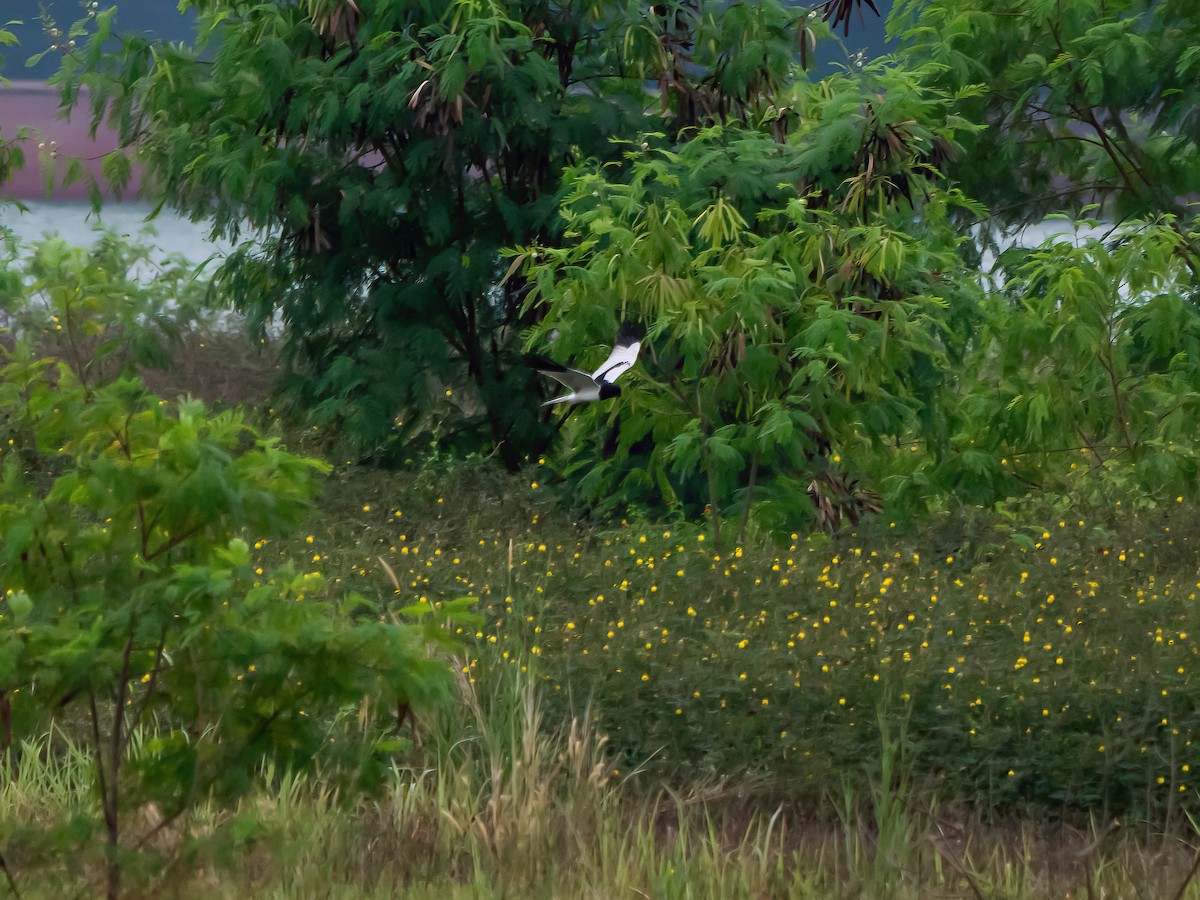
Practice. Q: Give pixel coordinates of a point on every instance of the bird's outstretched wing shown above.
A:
(564, 375)
(624, 353)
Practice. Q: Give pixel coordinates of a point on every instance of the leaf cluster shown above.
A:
(12, 156)
(1086, 102)
(116, 308)
(1084, 378)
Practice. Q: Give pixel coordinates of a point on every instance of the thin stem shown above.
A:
(1118, 402)
(5, 723)
(741, 538)
(714, 505)
(107, 786)
(1188, 880)
(159, 657)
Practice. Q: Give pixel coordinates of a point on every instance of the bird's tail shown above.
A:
(629, 334)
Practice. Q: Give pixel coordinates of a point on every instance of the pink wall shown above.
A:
(35, 104)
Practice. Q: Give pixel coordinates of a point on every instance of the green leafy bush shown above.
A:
(1085, 379)
(807, 302)
(115, 308)
(132, 613)
(12, 156)
(384, 154)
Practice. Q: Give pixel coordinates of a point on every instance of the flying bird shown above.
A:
(599, 385)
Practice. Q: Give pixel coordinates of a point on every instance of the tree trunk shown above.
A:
(741, 538)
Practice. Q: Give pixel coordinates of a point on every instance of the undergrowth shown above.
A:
(642, 713)
(1061, 675)
(502, 802)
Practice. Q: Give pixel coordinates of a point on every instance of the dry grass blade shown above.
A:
(336, 20)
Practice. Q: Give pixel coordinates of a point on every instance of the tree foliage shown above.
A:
(1086, 102)
(806, 302)
(130, 604)
(108, 310)
(384, 154)
(12, 157)
(1083, 380)
(432, 188)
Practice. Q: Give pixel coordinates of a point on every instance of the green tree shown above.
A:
(131, 609)
(807, 300)
(130, 597)
(382, 154)
(11, 155)
(1080, 377)
(1085, 377)
(97, 308)
(1087, 102)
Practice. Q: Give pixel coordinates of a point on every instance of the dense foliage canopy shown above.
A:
(1085, 102)
(386, 153)
(427, 190)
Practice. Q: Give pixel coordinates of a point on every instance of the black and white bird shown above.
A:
(585, 388)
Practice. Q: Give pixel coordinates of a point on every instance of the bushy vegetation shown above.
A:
(875, 542)
(508, 803)
(1058, 676)
(433, 190)
(881, 689)
(130, 609)
(12, 155)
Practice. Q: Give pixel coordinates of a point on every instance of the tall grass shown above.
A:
(505, 804)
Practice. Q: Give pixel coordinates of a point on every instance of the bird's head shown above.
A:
(608, 390)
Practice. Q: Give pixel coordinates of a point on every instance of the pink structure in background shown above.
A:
(34, 104)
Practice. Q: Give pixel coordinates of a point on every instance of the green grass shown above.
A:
(1062, 675)
(505, 804)
(862, 717)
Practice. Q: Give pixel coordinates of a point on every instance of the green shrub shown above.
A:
(131, 611)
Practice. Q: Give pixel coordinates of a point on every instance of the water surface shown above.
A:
(77, 224)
